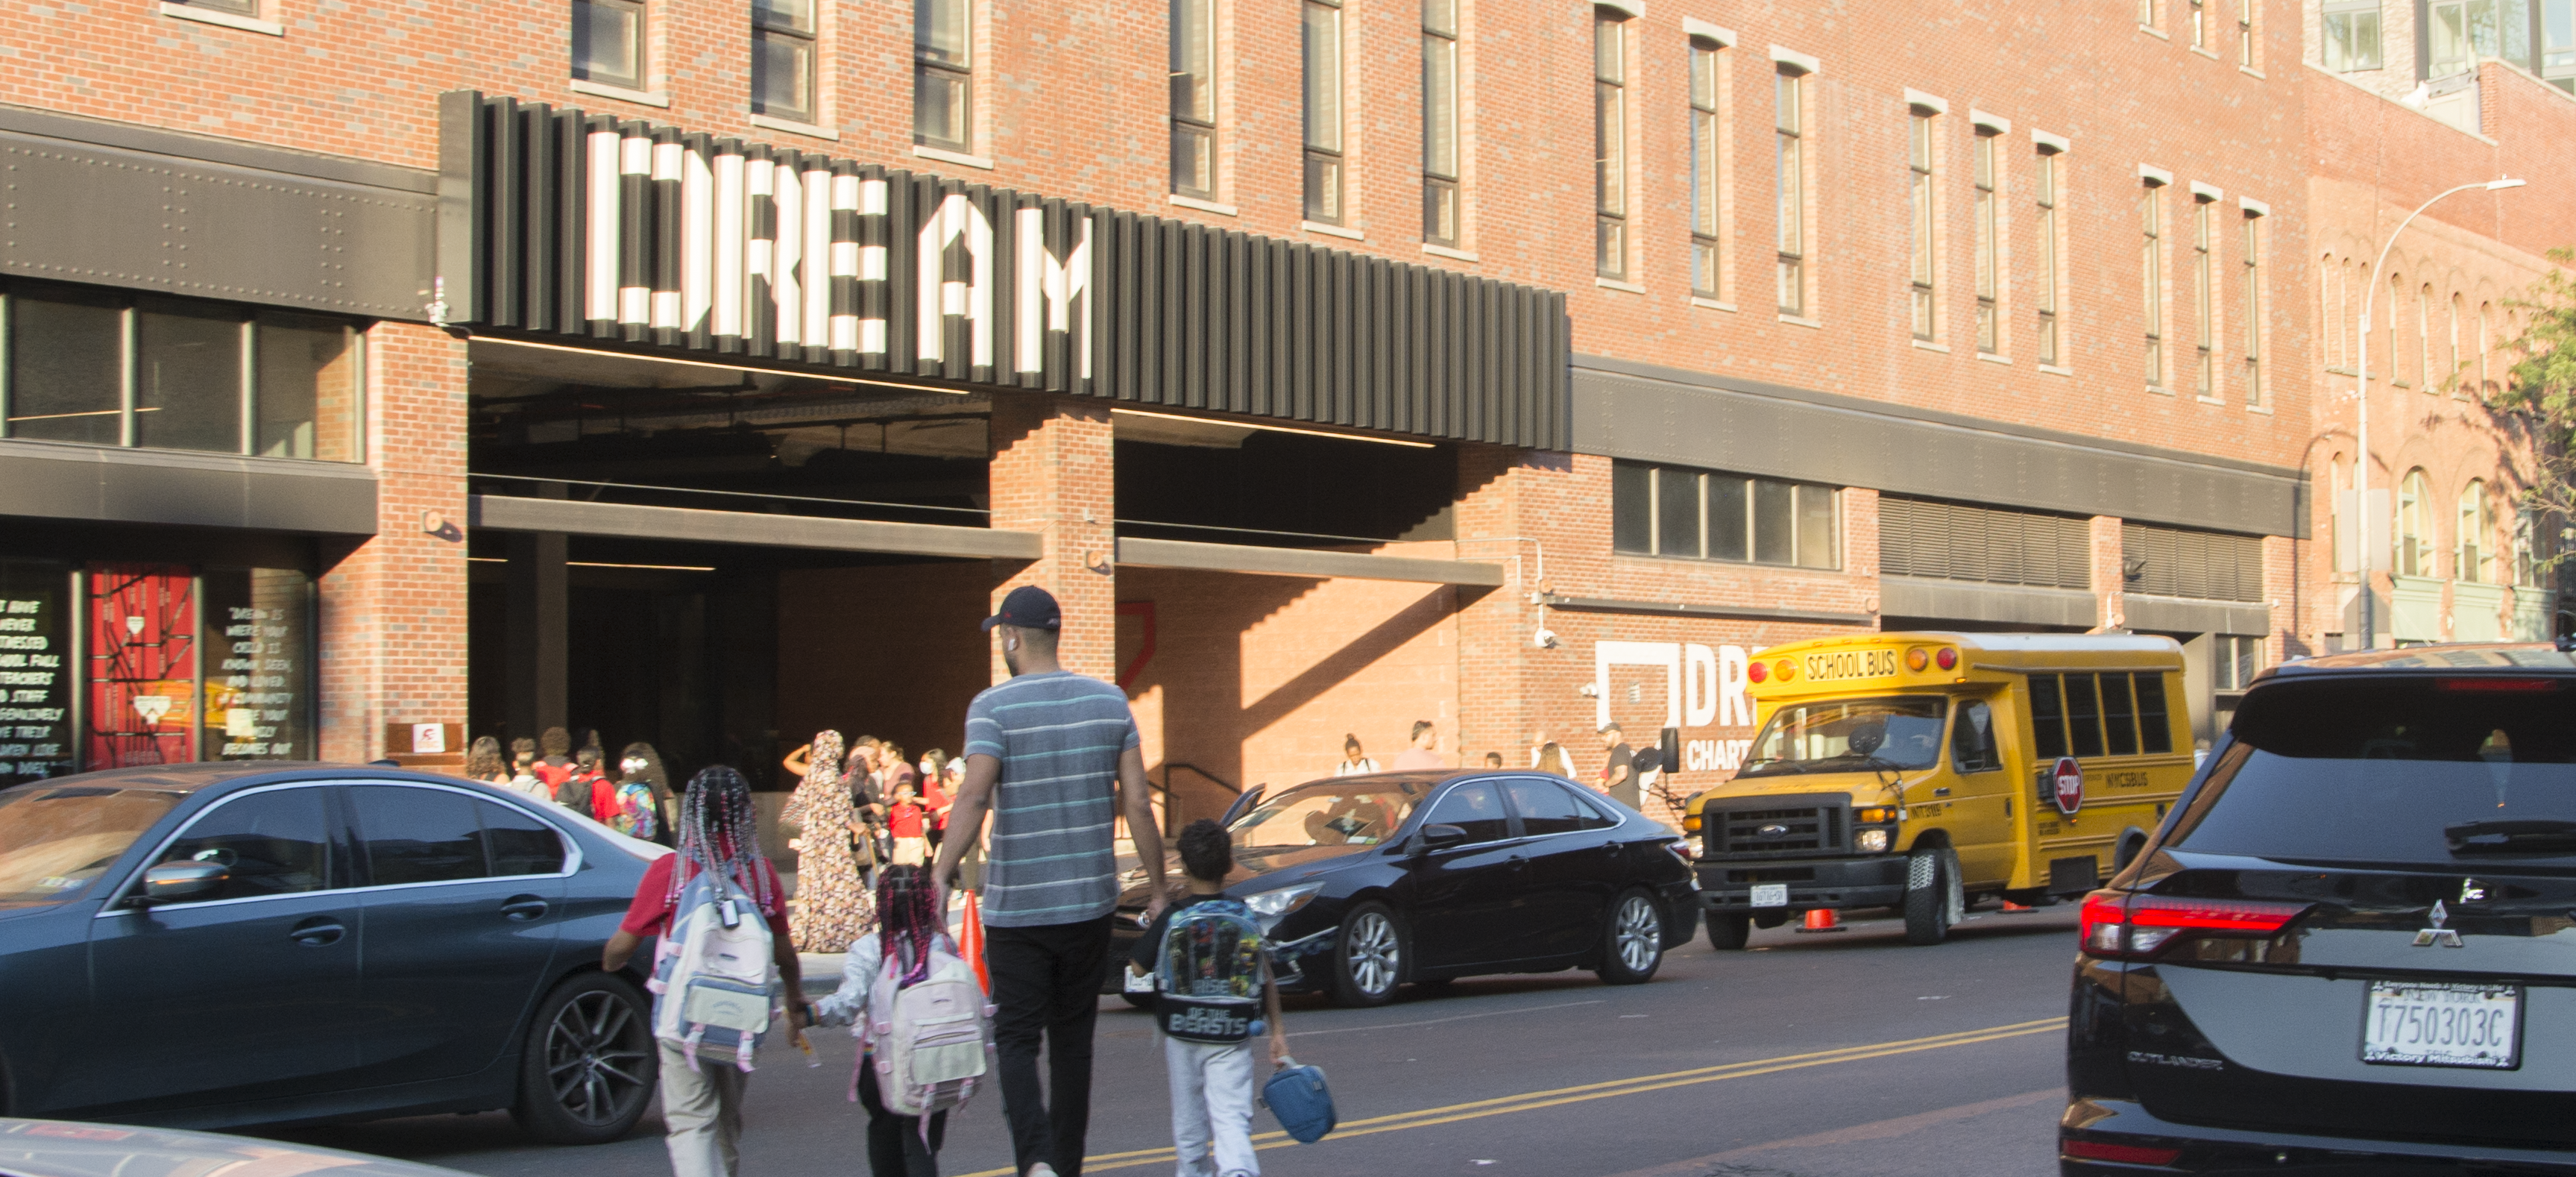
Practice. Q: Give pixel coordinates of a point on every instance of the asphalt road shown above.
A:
(1844, 1055)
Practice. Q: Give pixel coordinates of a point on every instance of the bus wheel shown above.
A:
(1934, 900)
(1727, 931)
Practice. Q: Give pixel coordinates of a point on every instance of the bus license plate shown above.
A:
(2419, 1024)
(1771, 895)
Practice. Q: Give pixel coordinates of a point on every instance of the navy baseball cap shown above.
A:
(1028, 607)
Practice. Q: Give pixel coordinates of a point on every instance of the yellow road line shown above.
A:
(1534, 1100)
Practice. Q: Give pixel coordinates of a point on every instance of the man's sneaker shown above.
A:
(1041, 1169)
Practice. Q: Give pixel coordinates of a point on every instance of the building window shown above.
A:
(2151, 265)
(2558, 43)
(2424, 338)
(1692, 514)
(943, 79)
(2414, 538)
(1440, 121)
(2527, 560)
(1705, 161)
(1609, 144)
(103, 368)
(2477, 526)
(2200, 24)
(2234, 661)
(2351, 35)
(608, 42)
(249, 8)
(2463, 32)
(782, 59)
(2245, 34)
(2045, 181)
(2204, 311)
(2486, 344)
(2147, 13)
(2252, 232)
(1788, 163)
(1194, 98)
(1322, 41)
(1988, 340)
(1918, 159)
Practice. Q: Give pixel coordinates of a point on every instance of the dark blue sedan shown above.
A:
(207, 945)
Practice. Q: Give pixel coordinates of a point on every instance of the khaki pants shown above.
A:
(701, 1114)
(911, 851)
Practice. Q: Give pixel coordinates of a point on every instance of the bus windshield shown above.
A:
(1849, 735)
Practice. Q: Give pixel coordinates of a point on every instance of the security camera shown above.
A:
(1544, 639)
(1589, 690)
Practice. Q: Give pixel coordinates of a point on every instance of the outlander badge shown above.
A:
(2437, 934)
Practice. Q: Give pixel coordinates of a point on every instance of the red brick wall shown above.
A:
(1052, 474)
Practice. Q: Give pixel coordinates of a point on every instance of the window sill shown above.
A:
(1205, 206)
(2211, 400)
(1712, 304)
(1928, 345)
(1453, 254)
(661, 98)
(247, 24)
(2155, 32)
(2055, 370)
(1797, 321)
(2335, 371)
(943, 155)
(1992, 358)
(2203, 52)
(2251, 72)
(2159, 390)
(2266, 410)
(793, 127)
(1615, 284)
(1332, 230)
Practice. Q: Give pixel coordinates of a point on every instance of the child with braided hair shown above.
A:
(908, 924)
(719, 830)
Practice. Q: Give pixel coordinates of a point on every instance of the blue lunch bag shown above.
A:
(1297, 1095)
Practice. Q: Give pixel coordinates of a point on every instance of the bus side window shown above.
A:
(2119, 720)
(1972, 740)
(2047, 718)
(2153, 723)
(2083, 716)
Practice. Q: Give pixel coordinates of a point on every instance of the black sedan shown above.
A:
(206, 945)
(1368, 882)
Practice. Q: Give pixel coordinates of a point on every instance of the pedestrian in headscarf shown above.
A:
(830, 907)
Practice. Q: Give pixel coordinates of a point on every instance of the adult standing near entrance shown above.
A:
(1425, 752)
(1054, 757)
(1619, 773)
(829, 909)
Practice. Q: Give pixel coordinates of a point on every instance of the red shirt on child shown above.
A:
(650, 913)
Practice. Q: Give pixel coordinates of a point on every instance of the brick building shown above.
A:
(699, 375)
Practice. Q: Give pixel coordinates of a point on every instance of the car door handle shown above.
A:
(1519, 862)
(321, 931)
(524, 908)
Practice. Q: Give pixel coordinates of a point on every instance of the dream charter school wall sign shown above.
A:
(557, 223)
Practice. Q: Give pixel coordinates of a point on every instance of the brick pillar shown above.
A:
(2110, 574)
(2281, 592)
(1053, 473)
(1496, 703)
(393, 606)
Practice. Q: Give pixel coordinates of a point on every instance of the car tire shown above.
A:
(1632, 940)
(1728, 931)
(1368, 956)
(1934, 901)
(590, 1065)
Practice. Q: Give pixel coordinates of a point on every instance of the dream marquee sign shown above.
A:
(557, 223)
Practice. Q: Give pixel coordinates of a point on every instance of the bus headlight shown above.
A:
(1870, 841)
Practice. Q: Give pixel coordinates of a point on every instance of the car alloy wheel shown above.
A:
(1372, 956)
(595, 1052)
(1633, 941)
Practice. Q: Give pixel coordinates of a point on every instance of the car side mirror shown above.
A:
(1243, 804)
(1438, 837)
(172, 881)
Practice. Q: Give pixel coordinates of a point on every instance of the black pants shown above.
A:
(1046, 980)
(895, 1146)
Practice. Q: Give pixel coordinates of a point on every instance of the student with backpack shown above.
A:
(925, 1031)
(1213, 995)
(723, 957)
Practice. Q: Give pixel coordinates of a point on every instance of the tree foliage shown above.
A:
(2542, 387)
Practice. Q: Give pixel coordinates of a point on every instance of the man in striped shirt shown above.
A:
(1053, 756)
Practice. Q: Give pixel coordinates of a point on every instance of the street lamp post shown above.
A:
(2361, 399)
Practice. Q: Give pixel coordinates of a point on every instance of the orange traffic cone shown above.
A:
(2012, 908)
(970, 941)
(1822, 920)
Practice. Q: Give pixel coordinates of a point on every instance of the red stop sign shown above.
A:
(2069, 779)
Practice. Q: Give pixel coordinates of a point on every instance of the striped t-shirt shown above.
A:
(1058, 737)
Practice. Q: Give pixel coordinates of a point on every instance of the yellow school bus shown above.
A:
(1926, 771)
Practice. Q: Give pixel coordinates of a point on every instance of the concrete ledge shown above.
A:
(2012, 604)
(1173, 553)
(1685, 609)
(59, 480)
(2191, 615)
(508, 513)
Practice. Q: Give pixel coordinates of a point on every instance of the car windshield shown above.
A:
(1849, 735)
(1330, 813)
(2395, 770)
(55, 840)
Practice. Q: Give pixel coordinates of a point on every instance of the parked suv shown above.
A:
(2352, 946)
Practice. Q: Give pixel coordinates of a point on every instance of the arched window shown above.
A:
(2476, 552)
(2452, 373)
(2414, 546)
(2424, 338)
(2486, 344)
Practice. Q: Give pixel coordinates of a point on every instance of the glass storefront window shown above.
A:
(140, 660)
(188, 377)
(308, 391)
(66, 368)
(35, 675)
(259, 655)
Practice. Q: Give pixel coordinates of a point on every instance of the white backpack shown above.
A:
(933, 1038)
(714, 974)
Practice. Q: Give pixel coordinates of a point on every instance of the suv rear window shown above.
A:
(2418, 770)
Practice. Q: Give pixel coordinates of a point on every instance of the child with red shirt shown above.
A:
(906, 821)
